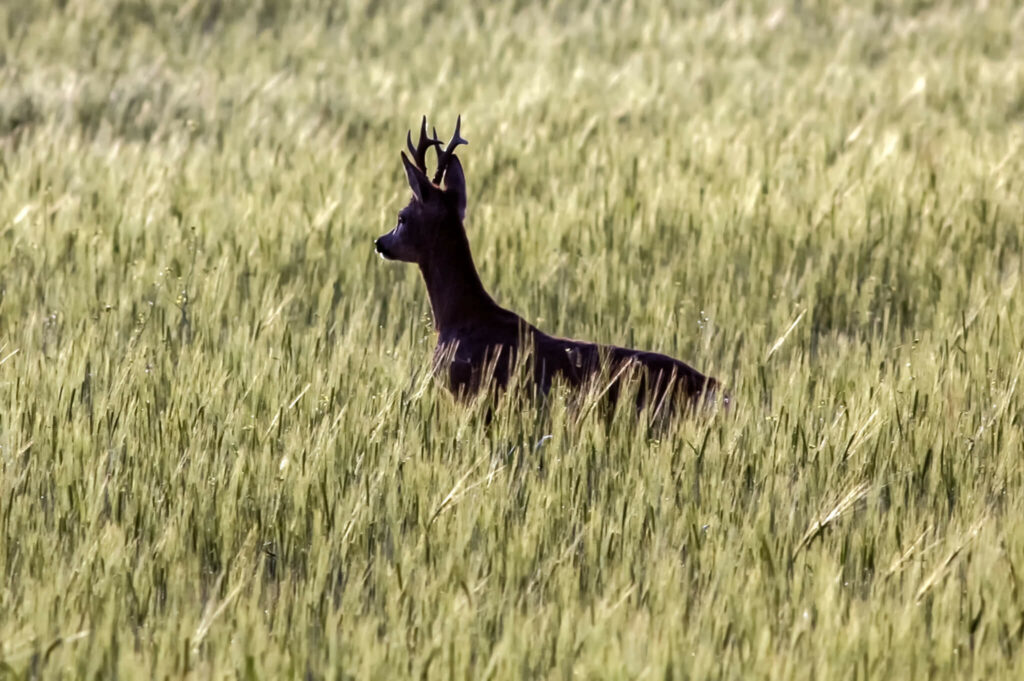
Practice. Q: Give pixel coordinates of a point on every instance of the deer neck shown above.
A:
(457, 296)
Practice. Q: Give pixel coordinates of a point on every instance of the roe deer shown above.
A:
(477, 336)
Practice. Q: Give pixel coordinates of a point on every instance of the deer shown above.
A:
(479, 342)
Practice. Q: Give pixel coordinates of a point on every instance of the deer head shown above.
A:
(431, 224)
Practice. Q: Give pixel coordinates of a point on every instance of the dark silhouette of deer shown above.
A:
(479, 341)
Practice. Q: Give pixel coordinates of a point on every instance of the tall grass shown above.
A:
(220, 451)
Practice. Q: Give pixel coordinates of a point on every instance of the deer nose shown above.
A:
(377, 246)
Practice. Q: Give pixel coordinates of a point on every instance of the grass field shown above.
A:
(221, 454)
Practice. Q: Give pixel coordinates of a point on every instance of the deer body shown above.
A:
(480, 341)
(490, 348)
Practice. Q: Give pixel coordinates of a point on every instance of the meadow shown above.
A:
(221, 451)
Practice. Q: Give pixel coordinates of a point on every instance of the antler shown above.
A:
(444, 157)
(419, 152)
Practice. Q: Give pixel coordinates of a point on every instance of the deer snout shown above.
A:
(393, 246)
(381, 247)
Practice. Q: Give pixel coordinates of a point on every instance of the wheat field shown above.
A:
(221, 451)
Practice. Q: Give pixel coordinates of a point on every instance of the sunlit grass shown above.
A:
(221, 453)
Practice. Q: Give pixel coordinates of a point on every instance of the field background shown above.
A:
(220, 453)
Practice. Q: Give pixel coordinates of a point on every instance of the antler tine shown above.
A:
(444, 157)
(419, 152)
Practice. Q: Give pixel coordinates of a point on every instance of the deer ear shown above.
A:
(418, 182)
(455, 185)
